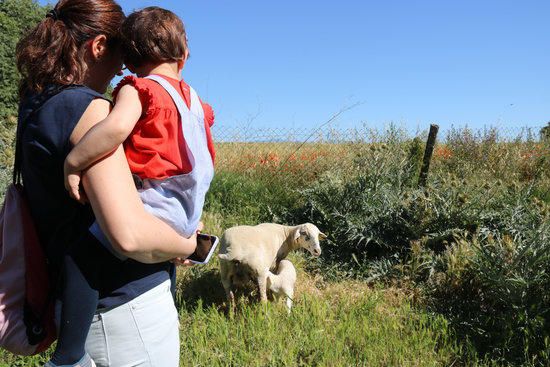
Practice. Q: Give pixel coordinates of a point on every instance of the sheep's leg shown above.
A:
(226, 282)
(228, 291)
(262, 287)
(289, 296)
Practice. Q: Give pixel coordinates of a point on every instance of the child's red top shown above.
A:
(156, 147)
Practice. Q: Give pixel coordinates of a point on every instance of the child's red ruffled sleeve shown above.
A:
(208, 113)
(145, 95)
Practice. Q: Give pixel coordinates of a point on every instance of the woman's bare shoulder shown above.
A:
(96, 111)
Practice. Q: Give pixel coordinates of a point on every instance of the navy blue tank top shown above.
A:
(48, 120)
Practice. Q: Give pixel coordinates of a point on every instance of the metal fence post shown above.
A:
(430, 143)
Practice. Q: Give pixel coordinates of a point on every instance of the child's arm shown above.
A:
(103, 138)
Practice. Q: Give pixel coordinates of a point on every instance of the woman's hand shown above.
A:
(182, 261)
(178, 261)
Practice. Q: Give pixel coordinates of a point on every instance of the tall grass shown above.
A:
(473, 246)
(319, 332)
(331, 324)
(469, 254)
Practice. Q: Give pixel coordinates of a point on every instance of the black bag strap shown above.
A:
(18, 148)
(35, 324)
(22, 125)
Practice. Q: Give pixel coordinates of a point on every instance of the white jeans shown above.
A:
(143, 332)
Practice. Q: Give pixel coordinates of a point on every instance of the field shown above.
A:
(332, 324)
(455, 273)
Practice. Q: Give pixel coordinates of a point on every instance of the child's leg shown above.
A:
(79, 303)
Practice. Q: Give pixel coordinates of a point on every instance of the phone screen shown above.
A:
(204, 244)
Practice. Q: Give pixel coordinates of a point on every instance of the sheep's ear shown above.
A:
(296, 234)
(322, 236)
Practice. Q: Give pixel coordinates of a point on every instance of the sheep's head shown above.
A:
(307, 236)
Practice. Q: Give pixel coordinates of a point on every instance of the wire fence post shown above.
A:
(430, 143)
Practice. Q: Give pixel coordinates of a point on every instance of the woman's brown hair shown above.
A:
(153, 35)
(52, 52)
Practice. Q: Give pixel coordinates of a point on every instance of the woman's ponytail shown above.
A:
(51, 53)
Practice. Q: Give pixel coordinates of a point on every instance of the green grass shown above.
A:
(323, 330)
(469, 252)
(332, 324)
(490, 194)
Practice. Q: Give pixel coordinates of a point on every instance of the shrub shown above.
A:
(16, 17)
(474, 248)
(495, 290)
(238, 199)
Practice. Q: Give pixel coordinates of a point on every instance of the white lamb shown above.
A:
(282, 283)
(252, 251)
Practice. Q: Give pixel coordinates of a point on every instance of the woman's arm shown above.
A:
(118, 208)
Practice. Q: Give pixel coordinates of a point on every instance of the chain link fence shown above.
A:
(365, 134)
(302, 154)
(305, 153)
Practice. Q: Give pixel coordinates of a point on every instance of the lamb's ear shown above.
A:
(322, 236)
(296, 234)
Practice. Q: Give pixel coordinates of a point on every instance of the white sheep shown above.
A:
(282, 283)
(252, 251)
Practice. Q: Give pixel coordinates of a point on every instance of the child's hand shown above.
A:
(72, 184)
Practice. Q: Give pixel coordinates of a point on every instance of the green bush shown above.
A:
(239, 200)
(16, 18)
(475, 248)
(495, 291)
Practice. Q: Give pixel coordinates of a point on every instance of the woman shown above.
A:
(66, 63)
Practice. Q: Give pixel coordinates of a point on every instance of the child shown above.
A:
(165, 129)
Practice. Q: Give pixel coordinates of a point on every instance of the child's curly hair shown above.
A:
(151, 36)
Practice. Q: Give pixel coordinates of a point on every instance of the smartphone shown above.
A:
(206, 244)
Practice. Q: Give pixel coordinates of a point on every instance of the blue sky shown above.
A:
(295, 63)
